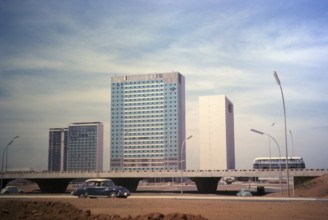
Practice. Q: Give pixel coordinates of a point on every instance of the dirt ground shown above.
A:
(171, 208)
(159, 209)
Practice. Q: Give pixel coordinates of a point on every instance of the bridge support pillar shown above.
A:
(52, 185)
(206, 184)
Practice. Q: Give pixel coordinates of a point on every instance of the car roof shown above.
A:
(90, 180)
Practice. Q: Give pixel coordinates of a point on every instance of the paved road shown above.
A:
(170, 196)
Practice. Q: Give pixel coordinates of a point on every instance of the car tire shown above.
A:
(83, 195)
(112, 195)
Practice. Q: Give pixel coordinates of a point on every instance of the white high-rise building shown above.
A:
(216, 128)
(148, 122)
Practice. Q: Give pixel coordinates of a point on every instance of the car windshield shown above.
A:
(106, 183)
(89, 183)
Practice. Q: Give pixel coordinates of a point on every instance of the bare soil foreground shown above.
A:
(159, 209)
(171, 208)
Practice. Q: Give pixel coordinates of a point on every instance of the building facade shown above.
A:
(85, 146)
(57, 149)
(147, 122)
(216, 129)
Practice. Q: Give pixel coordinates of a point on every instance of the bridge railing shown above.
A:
(162, 173)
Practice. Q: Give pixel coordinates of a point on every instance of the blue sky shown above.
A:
(57, 58)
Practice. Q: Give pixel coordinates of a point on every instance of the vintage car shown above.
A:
(11, 190)
(100, 188)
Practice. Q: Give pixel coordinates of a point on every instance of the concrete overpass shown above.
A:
(206, 180)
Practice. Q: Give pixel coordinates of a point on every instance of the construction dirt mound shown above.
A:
(35, 210)
(315, 188)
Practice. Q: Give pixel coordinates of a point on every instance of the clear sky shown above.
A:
(57, 58)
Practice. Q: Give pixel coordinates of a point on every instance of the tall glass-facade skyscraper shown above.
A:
(57, 149)
(148, 122)
(85, 146)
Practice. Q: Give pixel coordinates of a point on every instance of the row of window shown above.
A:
(149, 82)
(143, 121)
(143, 155)
(140, 112)
(80, 129)
(139, 83)
(143, 114)
(145, 82)
(137, 94)
(159, 128)
(120, 115)
(147, 143)
(121, 123)
(135, 102)
(128, 104)
(141, 145)
(76, 144)
(137, 132)
(152, 96)
(126, 109)
(150, 125)
(172, 145)
(128, 151)
(139, 118)
(135, 152)
(142, 98)
(81, 154)
(159, 112)
(143, 90)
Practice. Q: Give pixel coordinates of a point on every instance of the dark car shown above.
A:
(100, 188)
(11, 190)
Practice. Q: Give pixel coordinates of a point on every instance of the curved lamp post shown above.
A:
(283, 102)
(270, 145)
(5, 150)
(280, 176)
(182, 145)
(291, 135)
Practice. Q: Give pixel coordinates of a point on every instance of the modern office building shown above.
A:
(85, 146)
(148, 122)
(216, 129)
(57, 149)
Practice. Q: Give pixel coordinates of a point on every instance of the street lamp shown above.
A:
(5, 150)
(181, 161)
(12, 140)
(262, 133)
(283, 102)
(270, 145)
(291, 135)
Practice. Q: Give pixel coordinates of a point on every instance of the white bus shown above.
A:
(274, 163)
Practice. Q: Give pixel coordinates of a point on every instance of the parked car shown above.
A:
(11, 190)
(244, 193)
(100, 188)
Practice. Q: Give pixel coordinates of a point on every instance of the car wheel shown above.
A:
(112, 195)
(83, 195)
